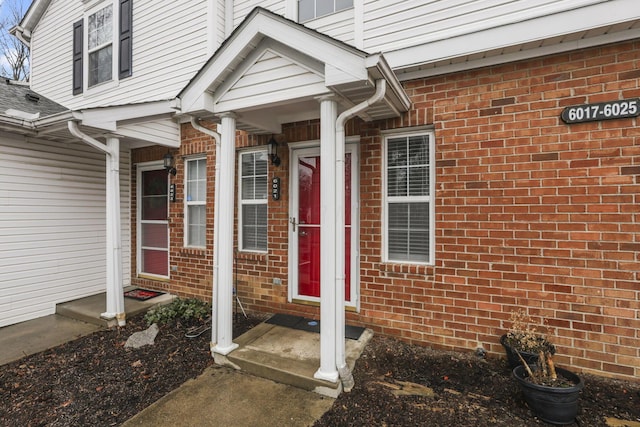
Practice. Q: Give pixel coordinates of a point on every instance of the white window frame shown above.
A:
(430, 199)
(242, 202)
(188, 203)
(296, 10)
(115, 19)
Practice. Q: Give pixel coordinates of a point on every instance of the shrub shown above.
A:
(181, 310)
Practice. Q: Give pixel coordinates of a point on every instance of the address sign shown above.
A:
(602, 111)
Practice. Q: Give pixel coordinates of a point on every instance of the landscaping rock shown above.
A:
(140, 339)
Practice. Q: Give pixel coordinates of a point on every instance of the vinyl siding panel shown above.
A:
(169, 46)
(391, 25)
(273, 78)
(53, 225)
(243, 7)
(339, 25)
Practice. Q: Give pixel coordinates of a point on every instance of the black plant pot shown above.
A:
(512, 356)
(555, 405)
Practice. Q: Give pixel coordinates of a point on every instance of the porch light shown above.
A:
(273, 152)
(169, 164)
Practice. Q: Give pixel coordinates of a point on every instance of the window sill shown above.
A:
(421, 269)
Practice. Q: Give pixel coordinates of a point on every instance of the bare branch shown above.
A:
(14, 56)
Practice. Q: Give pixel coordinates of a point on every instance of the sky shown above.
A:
(4, 11)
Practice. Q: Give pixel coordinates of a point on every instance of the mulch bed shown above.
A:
(467, 391)
(96, 381)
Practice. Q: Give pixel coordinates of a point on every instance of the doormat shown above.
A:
(142, 294)
(309, 325)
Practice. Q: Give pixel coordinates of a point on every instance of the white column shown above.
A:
(328, 114)
(225, 204)
(115, 296)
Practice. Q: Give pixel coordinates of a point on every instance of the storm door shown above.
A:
(305, 225)
(153, 224)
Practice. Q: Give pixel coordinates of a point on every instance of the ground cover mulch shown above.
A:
(403, 385)
(96, 381)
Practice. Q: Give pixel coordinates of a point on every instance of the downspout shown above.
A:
(115, 296)
(216, 227)
(341, 362)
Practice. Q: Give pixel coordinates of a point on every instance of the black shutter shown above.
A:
(125, 46)
(77, 56)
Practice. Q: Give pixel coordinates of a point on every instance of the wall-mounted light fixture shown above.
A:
(273, 152)
(169, 164)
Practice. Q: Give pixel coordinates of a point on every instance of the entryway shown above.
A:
(304, 225)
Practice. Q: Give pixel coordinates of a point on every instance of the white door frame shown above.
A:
(313, 148)
(146, 167)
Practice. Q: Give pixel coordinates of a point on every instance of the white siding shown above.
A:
(169, 46)
(52, 225)
(392, 24)
(271, 79)
(241, 8)
(339, 25)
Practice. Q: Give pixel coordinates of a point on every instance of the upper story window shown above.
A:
(311, 9)
(100, 46)
(103, 36)
(409, 205)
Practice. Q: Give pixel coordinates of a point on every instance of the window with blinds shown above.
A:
(408, 197)
(195, 202)
(254, 191)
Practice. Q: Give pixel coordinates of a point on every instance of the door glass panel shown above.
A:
(154, 225)
(308, 228)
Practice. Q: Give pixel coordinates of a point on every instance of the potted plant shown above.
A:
(525, 339)
(551, 393)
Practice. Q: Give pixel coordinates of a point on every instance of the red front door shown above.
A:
(308, 225)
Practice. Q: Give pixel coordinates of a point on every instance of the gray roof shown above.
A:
(18, 96)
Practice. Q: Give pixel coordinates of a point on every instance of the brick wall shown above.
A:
(530, 212)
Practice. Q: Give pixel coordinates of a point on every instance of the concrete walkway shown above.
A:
(31, 337)
(223, 396)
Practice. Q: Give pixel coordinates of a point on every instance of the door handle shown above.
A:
(292, 220)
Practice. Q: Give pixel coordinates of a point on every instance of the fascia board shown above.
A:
(108, 117)
(556, 25)
(32, 17)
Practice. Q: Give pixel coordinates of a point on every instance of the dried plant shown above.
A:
(527, 335)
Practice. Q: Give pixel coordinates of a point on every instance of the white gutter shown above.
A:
(216, 228)
(115, 296)
(341, 362)
(19, 33)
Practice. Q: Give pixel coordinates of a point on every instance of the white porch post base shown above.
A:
(224, 350)
(326, 376)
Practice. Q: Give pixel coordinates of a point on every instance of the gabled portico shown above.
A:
(272, 71)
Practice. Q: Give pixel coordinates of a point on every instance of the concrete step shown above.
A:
(89, 309)
(288, 356)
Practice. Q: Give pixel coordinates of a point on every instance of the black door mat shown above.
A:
(142, 294)
(310, 325)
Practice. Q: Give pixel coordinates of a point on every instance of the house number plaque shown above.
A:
(275, 188)
(602, 111)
